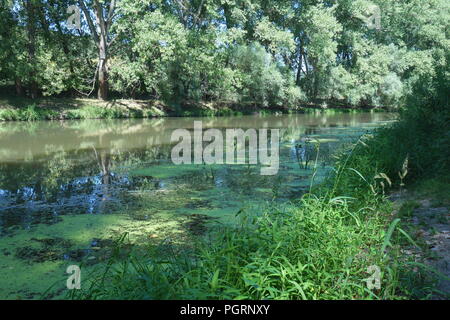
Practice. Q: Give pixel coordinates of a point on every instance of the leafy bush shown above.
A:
(422, 133)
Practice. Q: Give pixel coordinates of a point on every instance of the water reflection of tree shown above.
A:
(81, 158)
(104, 163)
(61, 174)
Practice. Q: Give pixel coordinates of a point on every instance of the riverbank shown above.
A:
(424, 209)
(350, 237)
(330, 244)
(22, 109)
(58, 210)
(339, 231)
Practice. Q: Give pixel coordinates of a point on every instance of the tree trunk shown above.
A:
(300, 65)
(100, 33)
(19, 87)
(227, 15)
(102, 81)
(102, 52)
(31, 32)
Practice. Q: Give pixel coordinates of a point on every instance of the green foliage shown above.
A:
(435, 188)
(267, 53)
(422, 135)
(261, 80)
(407, 208)
(318, 248)
(93, 112)
(30, 113)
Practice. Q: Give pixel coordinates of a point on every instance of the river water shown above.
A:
(67, 189)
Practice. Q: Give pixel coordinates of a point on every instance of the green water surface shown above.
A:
(68, 189)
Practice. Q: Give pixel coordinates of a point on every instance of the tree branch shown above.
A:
(112, 7)
(89, 20)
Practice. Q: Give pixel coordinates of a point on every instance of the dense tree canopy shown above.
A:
(262, 52)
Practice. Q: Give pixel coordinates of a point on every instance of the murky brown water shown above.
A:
(66, 185)
(22, 141)
(53, 168)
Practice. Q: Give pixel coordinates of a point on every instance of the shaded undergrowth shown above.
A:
(21, 109)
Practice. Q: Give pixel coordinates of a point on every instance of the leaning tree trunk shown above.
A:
(300, 66)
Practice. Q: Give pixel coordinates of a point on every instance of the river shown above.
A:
(68, 188)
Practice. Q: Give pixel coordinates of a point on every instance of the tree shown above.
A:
(100, 31)
(184, 51)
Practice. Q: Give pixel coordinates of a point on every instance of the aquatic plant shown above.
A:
(318, 248)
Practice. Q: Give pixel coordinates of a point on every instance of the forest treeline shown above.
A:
(270, 53)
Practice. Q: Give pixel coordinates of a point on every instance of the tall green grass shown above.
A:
(320, 247)
(30, 113)
(93, 112)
